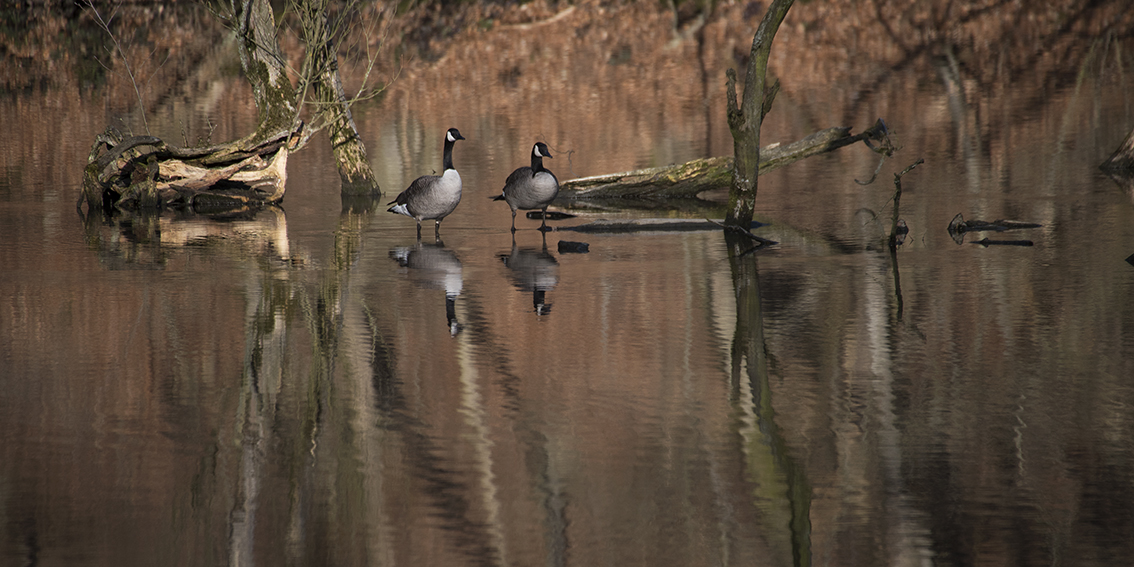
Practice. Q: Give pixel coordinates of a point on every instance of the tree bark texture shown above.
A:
(263, 64)
(332, 104)
(744, 120)
(145, 173)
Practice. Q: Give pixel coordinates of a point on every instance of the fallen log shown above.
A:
(145, 173)
(689, 179)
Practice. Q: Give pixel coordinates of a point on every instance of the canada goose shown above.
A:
(532, 187)
(432, 196)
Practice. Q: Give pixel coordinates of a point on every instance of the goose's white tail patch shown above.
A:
(401, 210)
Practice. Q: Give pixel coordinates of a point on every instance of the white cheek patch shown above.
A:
(449, 136)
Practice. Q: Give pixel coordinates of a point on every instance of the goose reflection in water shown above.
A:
(535, 270)
(432, 266)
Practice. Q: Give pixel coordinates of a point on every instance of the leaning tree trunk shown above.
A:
(744, 122)
(322, 66)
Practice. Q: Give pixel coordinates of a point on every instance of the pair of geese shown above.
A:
(435, 196)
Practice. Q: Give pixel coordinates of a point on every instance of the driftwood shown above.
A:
(145, 173)
(687, 180)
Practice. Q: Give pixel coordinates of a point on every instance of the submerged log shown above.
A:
(145, 173)
(687, 180)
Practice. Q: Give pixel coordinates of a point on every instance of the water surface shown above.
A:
(311, 384)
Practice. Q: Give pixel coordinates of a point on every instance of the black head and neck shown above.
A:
(451, 136)
(539, 151)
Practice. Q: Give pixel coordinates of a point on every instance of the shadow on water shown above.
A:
(781, 489)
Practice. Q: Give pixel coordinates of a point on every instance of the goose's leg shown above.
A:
(419, 229)
(543, 221)
(513, 221)
(437, 229)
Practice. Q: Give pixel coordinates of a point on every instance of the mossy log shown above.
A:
(689, 179)
(146, 173)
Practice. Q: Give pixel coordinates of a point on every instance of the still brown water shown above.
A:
(310, 385)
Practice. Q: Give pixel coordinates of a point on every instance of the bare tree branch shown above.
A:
(105, 25)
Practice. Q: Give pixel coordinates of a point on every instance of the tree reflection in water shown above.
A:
(780, 487)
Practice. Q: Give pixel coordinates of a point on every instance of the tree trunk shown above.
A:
(264, 66)
(145, 173)
(744, 122)
(322, 67)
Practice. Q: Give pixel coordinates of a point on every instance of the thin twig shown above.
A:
(898, 201)
(105, 25)
(885, 149)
